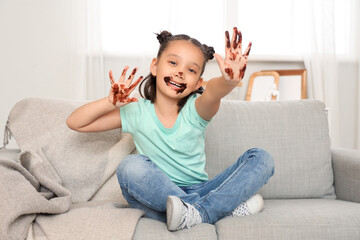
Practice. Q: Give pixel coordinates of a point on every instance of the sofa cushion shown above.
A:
(148, 229)
(296, 219)
(295, 133)
(91, 220)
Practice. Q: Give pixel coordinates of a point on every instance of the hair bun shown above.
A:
(163, 36)
(209, 52)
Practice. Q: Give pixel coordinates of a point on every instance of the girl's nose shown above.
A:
(180, 74)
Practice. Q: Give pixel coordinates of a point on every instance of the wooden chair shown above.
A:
(262, 92)
(301, 73)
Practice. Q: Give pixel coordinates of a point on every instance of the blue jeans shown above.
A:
(146, 187)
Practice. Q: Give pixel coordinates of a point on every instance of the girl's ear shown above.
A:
(199, 83)
(153, 67)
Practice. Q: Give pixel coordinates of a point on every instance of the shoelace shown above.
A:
(190, 216)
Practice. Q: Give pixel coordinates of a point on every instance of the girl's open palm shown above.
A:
(234, 66)
(120, 92)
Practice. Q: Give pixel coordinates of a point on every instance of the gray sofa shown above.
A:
(314, 193)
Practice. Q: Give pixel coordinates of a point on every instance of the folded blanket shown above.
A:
(58, 167)
(26, 189)
(32, 199)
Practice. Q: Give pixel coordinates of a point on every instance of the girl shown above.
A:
(167, 180)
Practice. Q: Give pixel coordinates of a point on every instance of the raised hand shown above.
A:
(120, 92)
(234, 66)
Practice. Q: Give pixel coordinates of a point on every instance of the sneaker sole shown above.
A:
(173, 212)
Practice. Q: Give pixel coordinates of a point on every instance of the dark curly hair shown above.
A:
(165, 37)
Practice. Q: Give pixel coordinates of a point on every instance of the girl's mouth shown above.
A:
(178, 87)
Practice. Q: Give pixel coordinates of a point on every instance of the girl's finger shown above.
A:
(111, 77)
(247, 51)
(227, 46)
(238, 55)
(227, 41)
(130, 78)
(123, 74)
(220, 62)
(242, 72)
(239, 41)
(234, 37)
(132, 86)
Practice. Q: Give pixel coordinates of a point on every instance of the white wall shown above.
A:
(35, 53)
(35, 48)
(348, 91)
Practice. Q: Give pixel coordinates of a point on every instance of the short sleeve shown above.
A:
(191, 114)
(130, 115)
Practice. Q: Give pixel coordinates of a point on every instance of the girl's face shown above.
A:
(178, 69)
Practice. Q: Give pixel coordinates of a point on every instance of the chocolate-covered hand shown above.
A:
(120, 92)
(234, 66)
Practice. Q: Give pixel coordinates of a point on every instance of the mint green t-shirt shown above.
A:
(178, 151)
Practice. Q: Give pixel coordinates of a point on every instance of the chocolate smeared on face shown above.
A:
(181, 86)
(167, 80)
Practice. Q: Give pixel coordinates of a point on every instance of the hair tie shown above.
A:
(209, 52)
(164, 36)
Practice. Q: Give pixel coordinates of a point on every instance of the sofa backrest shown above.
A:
(295, 133)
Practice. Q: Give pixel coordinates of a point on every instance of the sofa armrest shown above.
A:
(346, 164)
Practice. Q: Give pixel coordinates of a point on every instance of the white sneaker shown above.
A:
(181, 215)
(252, 206)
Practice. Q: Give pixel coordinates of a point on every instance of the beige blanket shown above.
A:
(46, 193)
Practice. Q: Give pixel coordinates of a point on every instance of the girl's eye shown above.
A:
(192, 71)
(172, 63)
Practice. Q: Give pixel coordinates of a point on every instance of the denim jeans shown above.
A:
(146, 187)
